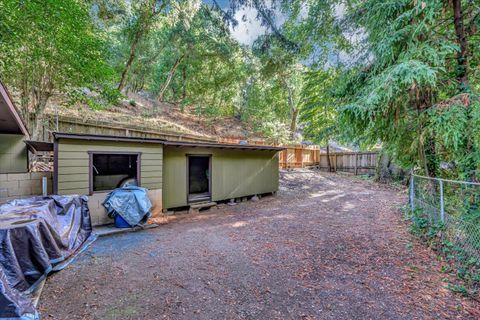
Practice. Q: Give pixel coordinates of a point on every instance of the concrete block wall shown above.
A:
(99, 214)
(23, 185)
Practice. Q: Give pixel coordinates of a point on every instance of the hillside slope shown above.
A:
(138, 111)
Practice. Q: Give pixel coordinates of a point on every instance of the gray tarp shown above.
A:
(131, 203)
(37, 235)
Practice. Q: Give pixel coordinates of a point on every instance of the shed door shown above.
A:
(199, 183)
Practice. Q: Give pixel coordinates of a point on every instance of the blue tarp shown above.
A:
(131, 203)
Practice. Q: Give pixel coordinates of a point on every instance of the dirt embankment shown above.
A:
(140, 111)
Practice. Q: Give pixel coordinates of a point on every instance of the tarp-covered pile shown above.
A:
(38, 235)
(131, 203)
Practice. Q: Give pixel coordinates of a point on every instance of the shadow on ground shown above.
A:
(326, 247)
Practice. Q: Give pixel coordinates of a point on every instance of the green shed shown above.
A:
(176, 173)
(215, 172)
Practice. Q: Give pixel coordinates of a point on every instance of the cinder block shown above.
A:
(102, 220)
(99, 216)
(3, 193)
(20, 192)
(96, 199)
(30, 183)
(9, 184)
(18, 176)
(36, 186)
(3, 177)
(40, 175)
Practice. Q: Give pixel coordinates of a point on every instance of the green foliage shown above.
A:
(47, 47)
(111, 95)
(465, 266)
(361, 72)
(460, 289)
(319, 111)
(107, 97)
(33, 41)
(405, 96)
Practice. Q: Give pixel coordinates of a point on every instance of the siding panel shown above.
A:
(13, 154)
(72, 185)
(235, 173)
(74, 155)
(73, 158)
(72, 177)
(150, 180)
(63, 163)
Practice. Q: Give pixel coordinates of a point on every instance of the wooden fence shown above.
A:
(312, 156)
(353, 162)
(299, 156)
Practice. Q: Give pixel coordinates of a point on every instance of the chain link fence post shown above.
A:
(412, 194)
(442, 204)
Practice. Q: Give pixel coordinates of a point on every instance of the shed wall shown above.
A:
(235, 173)
(13, 154)
(73, 171)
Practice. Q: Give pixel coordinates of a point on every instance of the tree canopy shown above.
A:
(403, 75)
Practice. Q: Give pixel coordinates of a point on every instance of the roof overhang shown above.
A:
(222, 146)
(39, 146)
(92, 137)
(98, 137)
(10, 120)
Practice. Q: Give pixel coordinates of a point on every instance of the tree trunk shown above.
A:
(169, 77)
(144, 23)
(25, 98)
(184, 88)
(294, 110)
(40, 118)
(133, 50)
(462, 60)
(293, 124)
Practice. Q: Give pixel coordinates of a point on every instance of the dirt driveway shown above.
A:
(326, 247)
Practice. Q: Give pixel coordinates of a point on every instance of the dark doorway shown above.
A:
(198, 178)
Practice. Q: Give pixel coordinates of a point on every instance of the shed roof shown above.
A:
(10, 120)
(98, 137)
(221, 145)
(39, 146)
(94, 137)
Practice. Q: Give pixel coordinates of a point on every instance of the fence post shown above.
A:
(412, 194)
(356, 165)
(442, 208)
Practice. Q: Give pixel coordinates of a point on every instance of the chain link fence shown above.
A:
(452, 209)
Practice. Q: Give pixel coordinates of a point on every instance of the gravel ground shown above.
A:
(326, 247)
